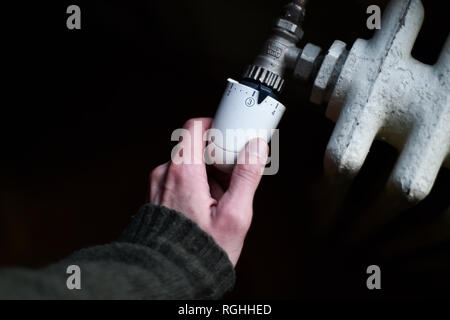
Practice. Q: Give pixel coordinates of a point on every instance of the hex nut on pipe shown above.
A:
(290, 26)
(328, 73)
(306, 62)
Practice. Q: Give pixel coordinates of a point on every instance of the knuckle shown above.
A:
(248, 173)
(190, 123)
(235, 221)
(158, 172)
(175, 171)
(239, 223)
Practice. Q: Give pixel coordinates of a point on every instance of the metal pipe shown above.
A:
(280, 51)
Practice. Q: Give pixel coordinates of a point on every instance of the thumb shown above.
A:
(247, 172)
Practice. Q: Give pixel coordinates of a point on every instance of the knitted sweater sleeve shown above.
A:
(160, 255)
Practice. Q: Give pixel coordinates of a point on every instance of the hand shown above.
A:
(222, 205)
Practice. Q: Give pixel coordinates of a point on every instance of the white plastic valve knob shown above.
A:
(239, 119)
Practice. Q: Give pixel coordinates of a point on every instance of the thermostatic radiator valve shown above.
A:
(250, 108)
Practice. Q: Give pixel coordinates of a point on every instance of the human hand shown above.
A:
(221, 205)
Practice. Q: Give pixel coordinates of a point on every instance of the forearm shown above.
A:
(161, 255)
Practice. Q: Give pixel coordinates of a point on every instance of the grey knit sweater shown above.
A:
(160, 255)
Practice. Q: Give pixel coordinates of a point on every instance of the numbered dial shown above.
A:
(240, 118)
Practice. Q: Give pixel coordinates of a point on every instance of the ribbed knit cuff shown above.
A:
(183, 242)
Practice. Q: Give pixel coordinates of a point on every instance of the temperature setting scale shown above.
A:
(245, 113)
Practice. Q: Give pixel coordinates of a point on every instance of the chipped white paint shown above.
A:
(384, 93)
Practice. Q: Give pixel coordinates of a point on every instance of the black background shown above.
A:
(86, 115)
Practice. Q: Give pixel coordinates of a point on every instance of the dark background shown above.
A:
(87, 114)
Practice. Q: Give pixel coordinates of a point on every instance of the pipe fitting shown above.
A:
(307, 62)
(329, 73)
(280, 51)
